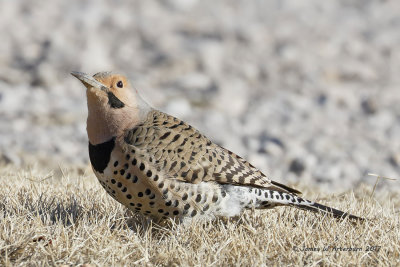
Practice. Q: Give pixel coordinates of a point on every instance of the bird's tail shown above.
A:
(272, 198)
(316, 207)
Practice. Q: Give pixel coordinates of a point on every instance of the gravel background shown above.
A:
(305, 90)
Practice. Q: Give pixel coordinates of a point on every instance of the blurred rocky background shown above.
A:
(305, 90)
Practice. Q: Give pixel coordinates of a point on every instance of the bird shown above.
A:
(160, 166)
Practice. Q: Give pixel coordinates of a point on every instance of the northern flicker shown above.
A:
(162, 167)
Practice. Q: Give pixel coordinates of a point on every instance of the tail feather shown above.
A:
(316, 207)
(287, 188)
(272, 198)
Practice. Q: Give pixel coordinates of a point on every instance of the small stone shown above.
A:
(182, 5)
(270, 144)
(394, 159)
(195, 81)
(369, 106)
(271, 148)
(322, 99)
(9, 158)
(297, 166)
(179, 107)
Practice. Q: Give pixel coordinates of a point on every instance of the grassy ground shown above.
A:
(68, 219)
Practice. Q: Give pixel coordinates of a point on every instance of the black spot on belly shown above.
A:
(114, 102)
(198, 198)
(215, 198)
(142, 167)
(100, 154)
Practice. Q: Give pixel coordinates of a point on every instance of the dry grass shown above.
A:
(50, 220)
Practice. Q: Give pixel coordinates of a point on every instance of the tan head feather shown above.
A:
(113, 105)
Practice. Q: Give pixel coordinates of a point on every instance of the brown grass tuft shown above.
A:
(70, 220)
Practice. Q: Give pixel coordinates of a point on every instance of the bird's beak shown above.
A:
(89, 81)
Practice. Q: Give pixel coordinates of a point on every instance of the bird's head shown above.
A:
(113, 105)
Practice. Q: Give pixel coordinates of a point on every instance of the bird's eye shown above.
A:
(120, 84)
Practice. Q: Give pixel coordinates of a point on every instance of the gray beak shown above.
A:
(89, 81)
